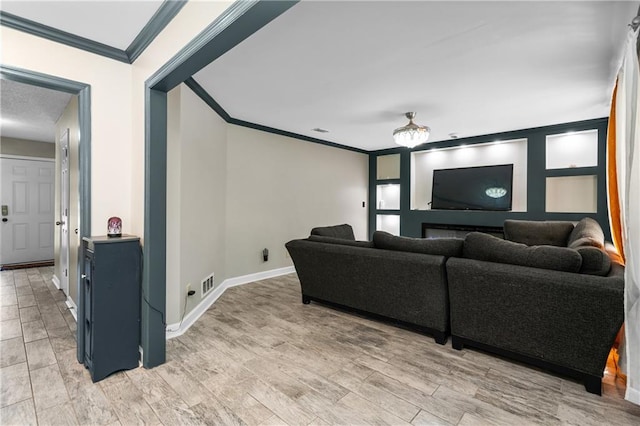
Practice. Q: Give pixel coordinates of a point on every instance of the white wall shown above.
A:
(110, 115)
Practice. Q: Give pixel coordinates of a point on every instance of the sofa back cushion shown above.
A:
(587, 232)
(537, 233)
(341, 241)
(337, 231)
(438, 246)
(486, 247)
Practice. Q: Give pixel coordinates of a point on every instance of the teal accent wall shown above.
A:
(411, 220)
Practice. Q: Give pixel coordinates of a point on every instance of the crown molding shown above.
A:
(167, 11)
(58, 36)
(204, 95)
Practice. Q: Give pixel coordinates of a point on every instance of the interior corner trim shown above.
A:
(44, 31)
(167, 11)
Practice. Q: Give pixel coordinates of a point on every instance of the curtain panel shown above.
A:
(627, 176)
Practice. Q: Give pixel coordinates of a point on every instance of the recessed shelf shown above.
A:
(572, 150)
(388, 197)
(389, 223)
(571, 194)
(388, 166)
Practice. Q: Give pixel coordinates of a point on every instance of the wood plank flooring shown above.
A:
(260, 357)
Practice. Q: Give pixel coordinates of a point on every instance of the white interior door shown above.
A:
(27, 199)
(64, 211)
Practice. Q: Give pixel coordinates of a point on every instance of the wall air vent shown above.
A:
(207, 285)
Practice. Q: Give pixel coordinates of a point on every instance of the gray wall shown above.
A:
(233, 191)
(196, 198)
(27, 148)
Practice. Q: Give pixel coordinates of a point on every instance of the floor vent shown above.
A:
(207, 285)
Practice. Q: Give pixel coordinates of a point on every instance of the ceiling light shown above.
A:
(411, 134)
(496, 192)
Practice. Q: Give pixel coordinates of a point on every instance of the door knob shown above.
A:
(4, 219)
(59, 223)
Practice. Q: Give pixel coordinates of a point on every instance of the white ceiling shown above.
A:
(469, 68)
(30, 112)
(355, 68)
(114, 23)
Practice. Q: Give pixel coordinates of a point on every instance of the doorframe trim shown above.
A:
(26, 157)
(83, 91)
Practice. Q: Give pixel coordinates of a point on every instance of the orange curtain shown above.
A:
(612, 179)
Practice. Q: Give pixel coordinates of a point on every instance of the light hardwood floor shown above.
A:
(259, 356)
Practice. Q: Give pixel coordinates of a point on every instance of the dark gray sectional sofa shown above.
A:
(557, 304)
(406, 287)
(549, 294)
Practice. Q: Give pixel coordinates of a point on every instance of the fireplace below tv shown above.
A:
(443, 230)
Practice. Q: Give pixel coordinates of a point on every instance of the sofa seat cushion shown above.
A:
(480, 246)
(341, 241)
(437, 246)
(344, 231)
(587, 232)
(537, 233)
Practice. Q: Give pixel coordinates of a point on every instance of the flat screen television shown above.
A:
(473, 188)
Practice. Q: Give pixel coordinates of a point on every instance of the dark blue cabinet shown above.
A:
(109, 310)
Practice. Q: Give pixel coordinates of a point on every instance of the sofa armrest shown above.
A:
(564, 318)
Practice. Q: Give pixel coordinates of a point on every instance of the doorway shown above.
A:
(82, 96)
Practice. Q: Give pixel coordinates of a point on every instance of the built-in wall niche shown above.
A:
(572, 150)
(572, 194)
(388, 196)
(388, 167)
(389, 223)
(423, 163)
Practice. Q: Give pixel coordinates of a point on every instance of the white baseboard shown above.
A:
(55, 281)
(178, 329)
(72, 307)
(633, 395)
(251, 278)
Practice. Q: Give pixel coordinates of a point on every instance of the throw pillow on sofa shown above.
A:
(438, 246)
(595, 261)
(537, 233)
(587, 232)
(337, 231)
(486, 247)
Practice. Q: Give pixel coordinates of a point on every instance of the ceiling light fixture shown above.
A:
(411, 134)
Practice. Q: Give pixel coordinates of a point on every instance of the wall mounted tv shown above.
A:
(473, 188)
